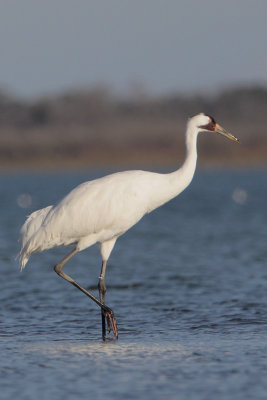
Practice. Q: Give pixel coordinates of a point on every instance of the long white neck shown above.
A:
(184, 175)
(175, 182)
(186, 172)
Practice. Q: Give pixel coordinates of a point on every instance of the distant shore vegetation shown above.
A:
(94, 127)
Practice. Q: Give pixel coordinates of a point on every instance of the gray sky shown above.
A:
(166, 45)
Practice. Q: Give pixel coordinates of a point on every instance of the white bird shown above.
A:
(101, 210)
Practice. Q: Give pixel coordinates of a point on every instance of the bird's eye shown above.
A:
(212, 123)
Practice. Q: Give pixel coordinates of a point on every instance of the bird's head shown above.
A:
(206, 123)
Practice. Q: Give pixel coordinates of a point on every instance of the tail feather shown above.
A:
(28, 231)
(23, 259)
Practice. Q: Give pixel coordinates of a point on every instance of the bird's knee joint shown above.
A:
(101, 285)
(57, 269)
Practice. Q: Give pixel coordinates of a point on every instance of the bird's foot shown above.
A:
(111, 322)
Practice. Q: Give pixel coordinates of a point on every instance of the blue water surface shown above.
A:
(188, 285)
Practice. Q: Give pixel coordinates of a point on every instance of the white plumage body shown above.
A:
(95, 211)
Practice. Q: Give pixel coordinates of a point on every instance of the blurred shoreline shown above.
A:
(93, 128)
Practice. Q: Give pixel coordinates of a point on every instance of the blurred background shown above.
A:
(113, 82)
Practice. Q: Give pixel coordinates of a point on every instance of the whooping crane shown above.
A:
(101, 210)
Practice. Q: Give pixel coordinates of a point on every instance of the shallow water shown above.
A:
(188, 285)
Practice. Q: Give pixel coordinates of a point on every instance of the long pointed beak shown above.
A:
(219, 129)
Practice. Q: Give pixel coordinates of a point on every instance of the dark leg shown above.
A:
(105, 309)
(102, 292)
